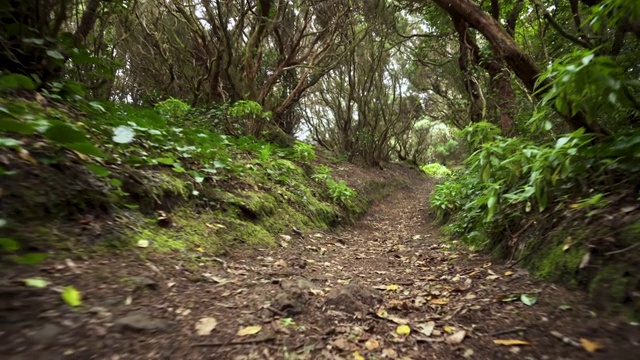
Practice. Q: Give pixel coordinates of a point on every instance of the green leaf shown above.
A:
(165, 161)
(17, 126)
(9, 142)
(528, 300)
(4, 171)
(9, 244)
(98, 170)
(86, 148)
(115, 182)
(96, 106)
(71, 296)
(16, 81)
(562, 141)
(64, 133)
(31, 259)
(55, 54)
(486, 173)
(587, 59)
(36, 41)
(123, 134)
(36, 283)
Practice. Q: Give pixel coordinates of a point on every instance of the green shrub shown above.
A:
(173, 109)
(436, 170)
(303, 152)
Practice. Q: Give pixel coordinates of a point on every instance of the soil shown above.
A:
(352, 293)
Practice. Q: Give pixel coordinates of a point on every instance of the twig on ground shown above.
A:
(276, 311)
(623, 250)
(224, 263)
(237, 342)
(565, 339)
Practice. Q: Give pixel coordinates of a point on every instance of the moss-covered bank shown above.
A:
(600, 256)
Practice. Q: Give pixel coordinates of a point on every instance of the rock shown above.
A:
(141, 282)
(294, 296)
(297, 284)
(47, 334)
(141, 322)
(290, 304)
(351, 298)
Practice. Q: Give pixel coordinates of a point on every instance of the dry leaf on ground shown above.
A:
(590, 346)
(249, 330)
(457, 337)
(205, 326)
(510, 342)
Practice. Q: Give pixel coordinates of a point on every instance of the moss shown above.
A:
(247, 233)
(259, 203)
(555, 264)
(164, 183)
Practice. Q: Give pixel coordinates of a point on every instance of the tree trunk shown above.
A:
(506, 48)
(466, 58)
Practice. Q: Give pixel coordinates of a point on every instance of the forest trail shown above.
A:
(294, 302)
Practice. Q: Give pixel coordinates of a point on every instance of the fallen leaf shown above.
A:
(510, 298)
(470, 296)
(510, 342)
(449, 329)
(528, 300)
(249, 330)
(372, 344)
(392, 287)
(398, 320)
(128, 300)
(390, 353)
(342, 344)
(468, 353)
(200, 249)
(382, 313)
(508, 273)
(403, 329)
(36, 282)
(357, 356)
(426, 329)
(205, 326)
(564, 307)
(280, 263)
(585, 260)
(439, 301)
(492, 277)
(71, 296)
(24, 155)
(142, 243)
(456, 338)
(590, 346)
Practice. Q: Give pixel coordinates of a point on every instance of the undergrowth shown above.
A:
(169, 160)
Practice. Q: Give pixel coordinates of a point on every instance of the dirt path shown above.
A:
(341, 295)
